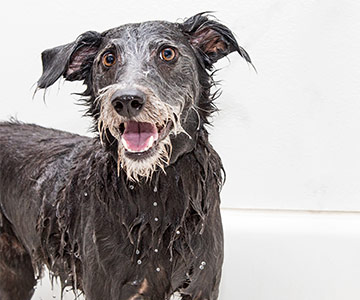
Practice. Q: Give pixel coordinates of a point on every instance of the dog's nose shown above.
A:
(128, 103)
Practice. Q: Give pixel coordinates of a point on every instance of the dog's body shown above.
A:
(133, 213)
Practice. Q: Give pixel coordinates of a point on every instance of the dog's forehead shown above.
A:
(146, 32)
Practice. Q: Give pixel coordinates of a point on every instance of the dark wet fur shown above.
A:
(63, 204)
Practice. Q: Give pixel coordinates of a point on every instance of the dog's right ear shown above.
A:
(73, 61)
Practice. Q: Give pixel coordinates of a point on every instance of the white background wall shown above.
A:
(288, 135)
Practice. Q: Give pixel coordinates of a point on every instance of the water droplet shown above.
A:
(155, 189)
(156, 250)
(203, 263)
(135, 282)
(85, 194)
(156, 219)
(157, 269)
(201, 267)
(155, 204)
(177, 231)
(131, 187)
(139, 262)
(137, 251)
(202, 229)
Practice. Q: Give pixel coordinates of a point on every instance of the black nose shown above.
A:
(128, 103)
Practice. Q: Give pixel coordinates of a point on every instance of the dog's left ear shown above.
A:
(212, 39)
(72, 61)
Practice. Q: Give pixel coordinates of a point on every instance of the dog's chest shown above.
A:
(149, 230)
(150, 216)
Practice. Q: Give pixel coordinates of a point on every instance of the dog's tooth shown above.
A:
(125, 144)
(151, 142)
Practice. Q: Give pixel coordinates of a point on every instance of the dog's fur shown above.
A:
(115, 224)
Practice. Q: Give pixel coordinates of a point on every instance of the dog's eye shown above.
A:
(108, 60)
(168, 54)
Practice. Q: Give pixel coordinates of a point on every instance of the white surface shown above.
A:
(288, 135)
(291, 256)
(295, 124)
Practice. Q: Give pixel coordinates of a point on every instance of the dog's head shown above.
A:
(148, 87)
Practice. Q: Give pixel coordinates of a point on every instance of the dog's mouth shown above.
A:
(140, 138)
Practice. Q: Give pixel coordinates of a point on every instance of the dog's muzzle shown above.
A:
(139, 138)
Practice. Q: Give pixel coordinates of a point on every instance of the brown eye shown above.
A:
(168, 54)
(108, 60)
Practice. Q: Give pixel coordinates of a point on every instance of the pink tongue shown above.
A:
(137, 135)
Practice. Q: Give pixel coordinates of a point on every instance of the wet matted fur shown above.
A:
(134, 212)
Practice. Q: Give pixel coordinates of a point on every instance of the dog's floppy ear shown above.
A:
(212, 39)
(73, 61)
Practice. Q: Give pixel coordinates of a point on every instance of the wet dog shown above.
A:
(134, 212)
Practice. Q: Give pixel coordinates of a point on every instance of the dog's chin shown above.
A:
(143, 147)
